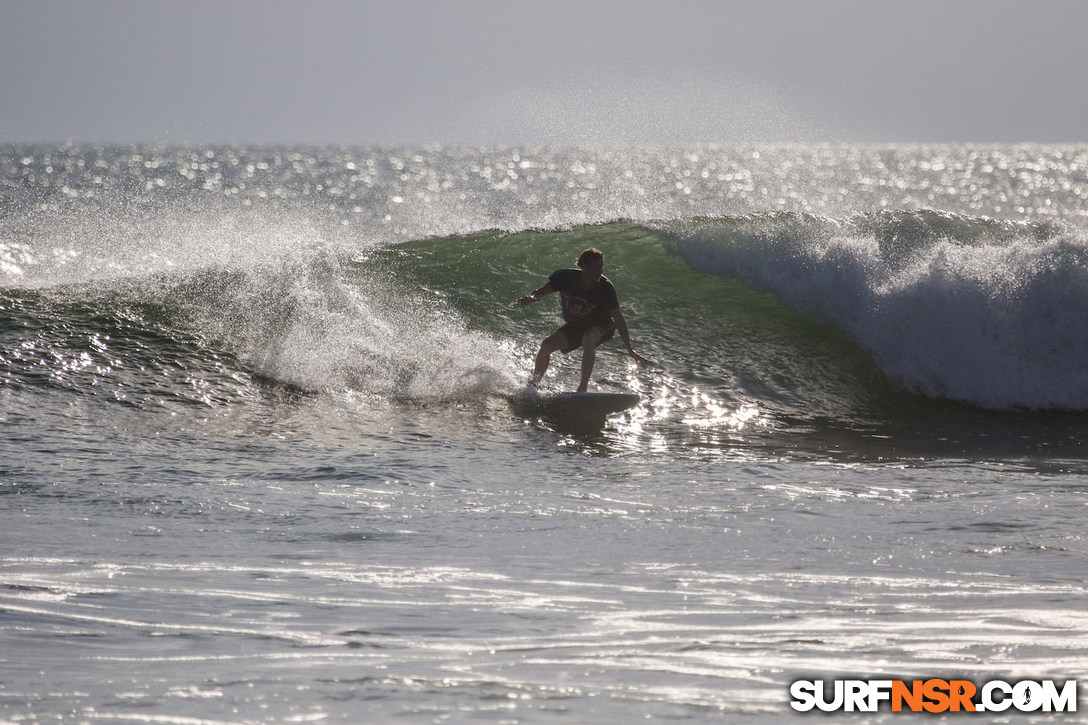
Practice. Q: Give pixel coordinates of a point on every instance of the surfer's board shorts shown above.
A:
(573, 331)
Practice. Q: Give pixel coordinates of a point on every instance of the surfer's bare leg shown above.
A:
(590, 340)
(552, 344)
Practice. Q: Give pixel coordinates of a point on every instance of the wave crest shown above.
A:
(994, 313)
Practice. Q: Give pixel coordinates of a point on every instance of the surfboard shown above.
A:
(576, 405)
(593, 403)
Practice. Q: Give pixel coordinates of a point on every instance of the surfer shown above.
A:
(591, 312)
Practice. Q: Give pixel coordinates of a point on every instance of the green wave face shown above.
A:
(713, 334)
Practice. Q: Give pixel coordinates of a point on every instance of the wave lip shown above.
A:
(992, 313)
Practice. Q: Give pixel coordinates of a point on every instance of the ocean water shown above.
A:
(259, 461)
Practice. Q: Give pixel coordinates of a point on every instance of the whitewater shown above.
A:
(259, 460)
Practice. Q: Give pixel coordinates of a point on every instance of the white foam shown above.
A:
(997, 325)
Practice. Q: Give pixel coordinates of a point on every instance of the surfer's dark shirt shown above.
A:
(584, 304)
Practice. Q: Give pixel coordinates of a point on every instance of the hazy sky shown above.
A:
(548, 71)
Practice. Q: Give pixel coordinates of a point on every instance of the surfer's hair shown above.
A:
(589, 255)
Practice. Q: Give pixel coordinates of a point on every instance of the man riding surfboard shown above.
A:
(591, 313)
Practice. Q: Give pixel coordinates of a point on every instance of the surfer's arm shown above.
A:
(621, 327)
(536, 294)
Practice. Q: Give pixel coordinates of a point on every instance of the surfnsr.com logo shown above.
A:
(933, 695)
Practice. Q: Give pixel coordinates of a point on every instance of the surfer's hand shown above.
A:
(639, 359)
(526, 300)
